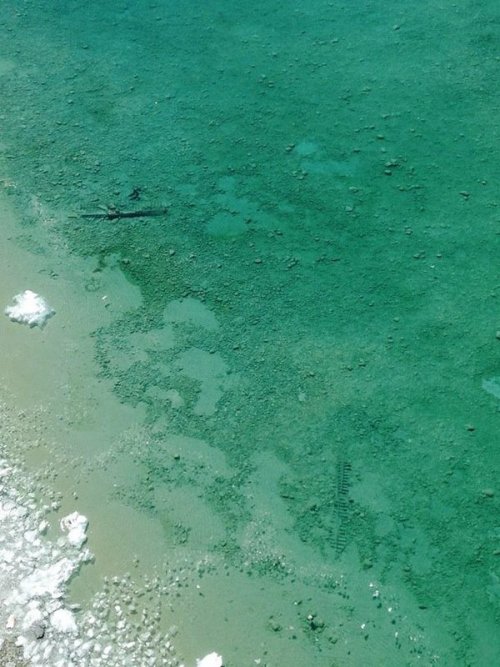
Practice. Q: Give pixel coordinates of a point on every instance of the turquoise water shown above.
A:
(283, 389)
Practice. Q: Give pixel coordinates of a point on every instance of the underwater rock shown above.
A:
(29, 308)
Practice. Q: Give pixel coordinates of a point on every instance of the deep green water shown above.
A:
(319, 306)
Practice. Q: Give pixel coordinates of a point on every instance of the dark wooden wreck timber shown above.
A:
(116, 214)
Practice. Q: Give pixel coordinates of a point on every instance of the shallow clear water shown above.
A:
(280, 391)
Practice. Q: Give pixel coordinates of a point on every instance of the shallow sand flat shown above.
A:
(70, 434)
(53, 371)
(199, 584)
(76, 437)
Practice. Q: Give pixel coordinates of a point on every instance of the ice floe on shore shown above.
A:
(34, 611)
(29, 308)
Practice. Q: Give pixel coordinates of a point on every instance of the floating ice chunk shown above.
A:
(76, 525)
(210, 660)
(47, 580)
(63, 620)
(29, 308)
